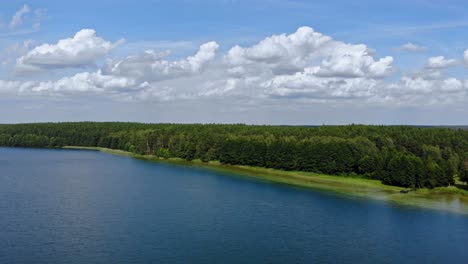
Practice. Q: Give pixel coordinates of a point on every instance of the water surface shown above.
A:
(71, 206)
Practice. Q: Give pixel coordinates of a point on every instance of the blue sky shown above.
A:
(221, 87)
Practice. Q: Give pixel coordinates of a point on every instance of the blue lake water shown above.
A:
(69, 206)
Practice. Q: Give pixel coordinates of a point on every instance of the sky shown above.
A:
(233, 61)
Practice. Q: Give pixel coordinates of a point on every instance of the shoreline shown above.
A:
(448, 199)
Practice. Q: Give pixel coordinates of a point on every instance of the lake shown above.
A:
(72, 206)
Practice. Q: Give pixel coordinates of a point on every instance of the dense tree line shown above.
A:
(412, 157)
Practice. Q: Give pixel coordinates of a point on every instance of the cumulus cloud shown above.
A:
(17, 18)
(413, 47)
(84, 48)
(435, 67)
(304, 65)
(293, 50)
(308, 85)
(306, 48)
(152, 66)
(135, 77)
(422, 91)
(440, 62)
(12, 86)
(85, 82)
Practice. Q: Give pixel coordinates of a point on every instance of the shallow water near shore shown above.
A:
(73, 206)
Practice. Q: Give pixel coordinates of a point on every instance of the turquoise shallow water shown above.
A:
(69, 206)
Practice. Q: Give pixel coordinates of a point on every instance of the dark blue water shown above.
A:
(65, 206)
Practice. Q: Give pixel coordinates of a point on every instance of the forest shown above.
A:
(406, 156)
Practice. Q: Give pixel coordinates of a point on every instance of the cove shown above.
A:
(71, 206)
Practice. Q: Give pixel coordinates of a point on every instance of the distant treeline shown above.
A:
(397, 155)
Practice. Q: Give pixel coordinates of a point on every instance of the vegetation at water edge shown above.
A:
(410, 157)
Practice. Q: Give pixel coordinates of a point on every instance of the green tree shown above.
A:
(464, 175)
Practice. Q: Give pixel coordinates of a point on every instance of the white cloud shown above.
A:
(440, 62)
(308, 85)
(85, 48)
(13, 87)
(421, 91)
(132, 78)
(415, 90)
(413, 47)
(85, 82)
(452, 85)
(152, 66)
(465, 56)
(293, 49)
(305, 65)
(17, 18)
(306, 48)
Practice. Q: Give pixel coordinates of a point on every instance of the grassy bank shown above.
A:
(450, 199)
